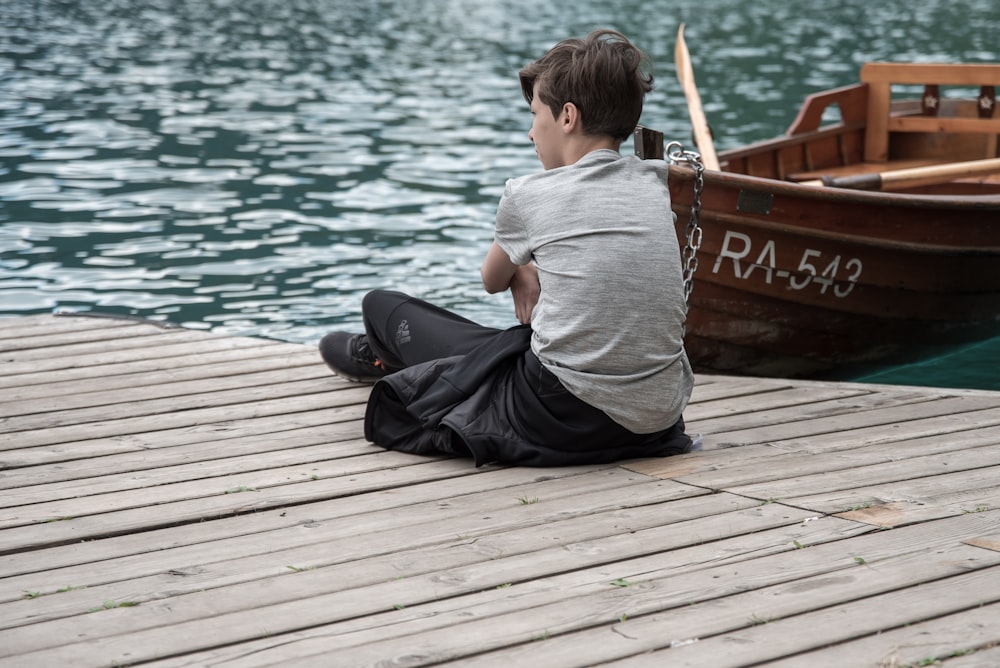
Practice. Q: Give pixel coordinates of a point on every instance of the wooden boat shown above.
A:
(804, 269)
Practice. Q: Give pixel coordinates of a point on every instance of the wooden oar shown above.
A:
(685, 74)
(912, 177)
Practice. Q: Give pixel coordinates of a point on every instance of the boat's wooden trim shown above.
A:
(831, 147)
(851, 100)
(864, 199)
(939, 124)
(958, 74)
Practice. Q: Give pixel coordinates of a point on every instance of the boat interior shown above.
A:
(946, 141)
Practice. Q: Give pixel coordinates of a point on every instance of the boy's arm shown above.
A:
(497, 269)
(499, 273)
(525, 289)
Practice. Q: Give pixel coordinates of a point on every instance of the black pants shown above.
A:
(403, 330)
(553, 427)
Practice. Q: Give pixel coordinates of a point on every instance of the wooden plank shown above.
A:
(944, 426)
(986, 656)
(385, 543)
(380, 505)
(718, 468)
(17, 327)
(179, 343)
(730, 387)
(49, 416)
(160, 463)
(432, 521)
(305, 588)
(898, 513)
(848, 100)
(55, 343)
(238, 349)
(961, 639)
(427, 547)
(751, 611)
(287, 370)
(943, 124)
(899, 411)
(839, 434)
(942, 488)
(799, 484)
(186, 442)
(961, 74)
(498, 617)
(768, 642)
(834, 403)
(170, 407)
(877, 120)
(987, 542)
(128, 490)
(268, 359)
(340, 402)
(590, 575)
(133, 398)
(138, 337)
(61, 529)
(783, 404)
(716, 621)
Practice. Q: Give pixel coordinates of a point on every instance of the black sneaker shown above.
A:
(349, 356)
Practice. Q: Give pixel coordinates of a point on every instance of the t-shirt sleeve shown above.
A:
(511, 232)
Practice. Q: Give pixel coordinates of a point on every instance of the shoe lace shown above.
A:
(362, 353)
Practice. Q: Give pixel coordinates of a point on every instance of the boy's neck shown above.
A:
(581, 145)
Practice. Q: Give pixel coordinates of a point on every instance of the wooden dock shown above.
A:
(176, 498)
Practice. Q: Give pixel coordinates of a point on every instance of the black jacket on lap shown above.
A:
(498, 404)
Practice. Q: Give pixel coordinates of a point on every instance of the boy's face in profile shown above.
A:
(546, 133)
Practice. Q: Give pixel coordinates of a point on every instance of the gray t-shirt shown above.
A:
(609, 322)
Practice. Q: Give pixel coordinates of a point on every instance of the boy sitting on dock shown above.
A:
(597, 370)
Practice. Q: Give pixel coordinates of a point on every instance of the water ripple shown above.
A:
(255, 167)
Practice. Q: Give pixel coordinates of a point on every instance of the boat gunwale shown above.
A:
(909, 200)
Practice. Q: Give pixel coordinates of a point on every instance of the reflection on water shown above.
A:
(256, 166)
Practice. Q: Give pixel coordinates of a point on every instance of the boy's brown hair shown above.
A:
(604, 75)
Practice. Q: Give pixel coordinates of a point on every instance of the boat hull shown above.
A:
(801, 281)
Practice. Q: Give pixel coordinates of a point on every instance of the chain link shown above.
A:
(676, 155)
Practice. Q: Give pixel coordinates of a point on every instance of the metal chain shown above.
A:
(676, 155)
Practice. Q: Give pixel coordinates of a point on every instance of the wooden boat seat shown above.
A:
(880, 121)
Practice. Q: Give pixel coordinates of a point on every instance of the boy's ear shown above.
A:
(570, 118)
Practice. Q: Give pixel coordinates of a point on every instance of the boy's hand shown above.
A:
(525, 289)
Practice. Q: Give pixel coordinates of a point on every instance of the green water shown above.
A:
(254, 167)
